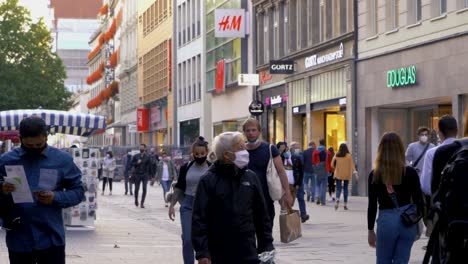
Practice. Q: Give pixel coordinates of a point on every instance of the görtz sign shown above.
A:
(315, 59)
(281, 67)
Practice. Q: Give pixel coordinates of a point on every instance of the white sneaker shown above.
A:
(331, 199)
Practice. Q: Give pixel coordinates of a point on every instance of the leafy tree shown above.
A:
(31, 75)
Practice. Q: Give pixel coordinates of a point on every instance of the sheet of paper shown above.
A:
(17, 176)
(47, 179)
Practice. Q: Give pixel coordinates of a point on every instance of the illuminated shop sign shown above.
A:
(401, 77)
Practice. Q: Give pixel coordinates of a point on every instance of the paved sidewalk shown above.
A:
(131, 235)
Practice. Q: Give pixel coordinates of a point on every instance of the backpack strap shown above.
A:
(422, 155)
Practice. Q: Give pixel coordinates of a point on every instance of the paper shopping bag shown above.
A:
(290, 226)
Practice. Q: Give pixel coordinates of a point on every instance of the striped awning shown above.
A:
(57, 121)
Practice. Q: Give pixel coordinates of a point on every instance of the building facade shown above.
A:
(305, 61)
(411, 70)
(155, 116)
(129, 73)
(192, 114)
(229, 104)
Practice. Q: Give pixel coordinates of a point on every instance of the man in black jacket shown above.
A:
(230, 223)
(142, 164)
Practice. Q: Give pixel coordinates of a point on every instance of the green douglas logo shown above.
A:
(401, 77)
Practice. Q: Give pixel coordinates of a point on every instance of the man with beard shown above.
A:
(35, 231)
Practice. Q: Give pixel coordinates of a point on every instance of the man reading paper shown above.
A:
(36, 234)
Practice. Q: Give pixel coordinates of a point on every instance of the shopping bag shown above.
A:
(290, 225)
(275, 188)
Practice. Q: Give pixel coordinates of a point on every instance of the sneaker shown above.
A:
(318, 201)
(142, 206)
(337, 205)
(346, 207)
(308, 197)
(131, 193)
(167, 205)
(136, 203)
(126, 193)
(110, 193)
(304, 218)
(331, 199)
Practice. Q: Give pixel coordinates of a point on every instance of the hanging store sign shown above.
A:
(142, 120)
(265, 77)
(281, 67)
(401, 77)
(220, 79)
(315, 59)
(256, 108)
(248, 79)
(230, 23)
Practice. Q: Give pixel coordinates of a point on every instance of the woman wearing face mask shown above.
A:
(108, 168)
(230, 223)
(184, 191)
(283, 148)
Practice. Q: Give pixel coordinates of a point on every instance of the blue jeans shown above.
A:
(166, 187)
(186, 221)
(342, 185)
(300, 200)
(321, 189)
(309, 189)
(394, 239)
(55, 255)
(127, 183)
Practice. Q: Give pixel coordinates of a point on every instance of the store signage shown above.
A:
(315, 59)
(281, 67)
(248, 79)
(295, 110)
(220, 81)
(276, 100)
(342, 101)
(132, 128)
(256, 108)
(230, 23)
(265, 77)
(142, 119)
(401, 77)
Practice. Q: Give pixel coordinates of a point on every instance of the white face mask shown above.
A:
(242, 159)
(423, 139)
(108, 156)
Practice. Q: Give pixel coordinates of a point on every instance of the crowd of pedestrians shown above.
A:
(226, 205)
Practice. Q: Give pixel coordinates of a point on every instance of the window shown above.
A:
(260, 41)
(414, 11)
(292, 26)
(188, 24)
(314, 9)
(373, 17)
(443, 6)
(194, 86)
(439, 7)
(303, 18)
(343, 16)
(199, 76)
(179, 25)
(265, 38)
(285, 29)
(465, 3)
(271, 34)
(328, 19)
(392, 14)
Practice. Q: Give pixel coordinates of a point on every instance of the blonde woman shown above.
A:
(344, 167)
(394, 187)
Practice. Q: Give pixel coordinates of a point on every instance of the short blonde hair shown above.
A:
(251, 122)
(224, 142)
(294, 143)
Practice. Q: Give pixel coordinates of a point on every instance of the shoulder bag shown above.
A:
(273, 180)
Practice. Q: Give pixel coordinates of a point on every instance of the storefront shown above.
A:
(189, 131)
(154, 132)
(320, 97)
(405, 90)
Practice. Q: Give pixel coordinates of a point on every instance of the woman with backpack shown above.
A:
(344, 167)
(184, 191)
(395, 188)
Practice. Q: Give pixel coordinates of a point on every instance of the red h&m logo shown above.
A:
(230, 23)
(220, 79)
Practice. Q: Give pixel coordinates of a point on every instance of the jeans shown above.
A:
(166, 187)
(394, 239)
(321, 189)
(186, 222)
(342, 185)
(104, 182)
(143, 180)
(127, 183)
(300, 200)
(52, 255)
(309, 189)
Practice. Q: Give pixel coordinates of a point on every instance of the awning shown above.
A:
(57, 121)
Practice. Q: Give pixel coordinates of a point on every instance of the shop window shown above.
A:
(335, 129)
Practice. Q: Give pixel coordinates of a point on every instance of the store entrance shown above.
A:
(335, 129)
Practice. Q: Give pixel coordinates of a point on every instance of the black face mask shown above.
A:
(200, 160)
(142, 151)
(33, 151)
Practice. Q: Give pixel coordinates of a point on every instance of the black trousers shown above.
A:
(52, 255)
(144, 181)
(104, 182)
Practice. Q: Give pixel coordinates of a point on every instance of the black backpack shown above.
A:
(449, 238)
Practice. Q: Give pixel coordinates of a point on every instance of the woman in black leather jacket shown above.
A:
(229, 213)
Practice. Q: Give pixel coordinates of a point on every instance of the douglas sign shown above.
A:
(401, 77)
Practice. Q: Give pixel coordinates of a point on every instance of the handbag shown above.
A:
(273, 180)
(411, 215)
(290, 225)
